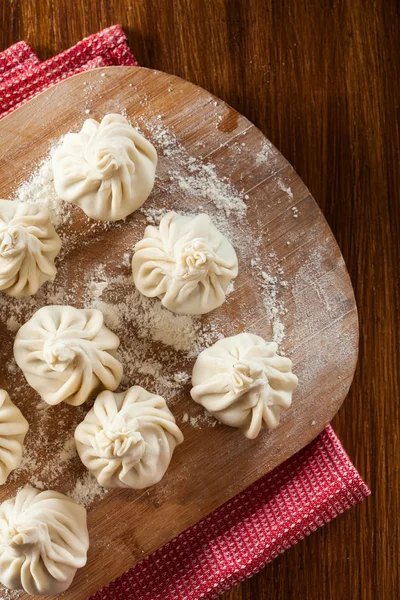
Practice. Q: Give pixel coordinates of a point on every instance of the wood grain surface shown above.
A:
(282, 220)
(321, 80)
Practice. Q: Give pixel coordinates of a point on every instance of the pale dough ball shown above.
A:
(107, 169)
(244, 383)
(186, 262)
(28, 247)
(43, 541)
(67, 354)
(13, 429)
(127, 440)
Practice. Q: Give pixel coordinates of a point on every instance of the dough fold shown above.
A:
(244, 383)
(107, 169)
(43, 541)
(67, 354)
(28, 246)
(186, 262)
(13, 429)
(127, 440)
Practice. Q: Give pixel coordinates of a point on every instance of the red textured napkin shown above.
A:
(276, 512)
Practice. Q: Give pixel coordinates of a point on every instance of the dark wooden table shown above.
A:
(321, 78)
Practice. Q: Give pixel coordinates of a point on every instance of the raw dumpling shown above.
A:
(186, 262)
(107, 168)
(43, 541)
(127, 439)
(13, 429)
(28, 247)
(67, 354)
(242, 382)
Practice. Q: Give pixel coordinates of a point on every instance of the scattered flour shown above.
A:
(266, 153)
(154, 215)
(154, 341)
(308, 277)
(50, 462)
(287, 189)
(205, 183)
(87, 489)
(192, 176)
(157, 348)
(230, 289)
(12, 324)
(271, 289)
(166, 142)
(7, 594)
(182, 377)
(39, 189)
(204, 419)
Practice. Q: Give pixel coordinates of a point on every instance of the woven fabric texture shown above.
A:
(23, 76)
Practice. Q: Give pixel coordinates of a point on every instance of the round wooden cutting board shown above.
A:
(300, 266)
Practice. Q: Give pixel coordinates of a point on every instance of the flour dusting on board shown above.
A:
(7, 594)
(272, 286)
(158, 348)
(266, 154)
(39, 189)
(147, 330)
(285, 188)
(192, 176)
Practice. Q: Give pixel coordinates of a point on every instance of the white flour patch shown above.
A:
(148, 330)
(266, 154)
(204, 183)
(203, 420)
(192, 176)
(39, 189)
(12, 324)
(199, 421)
(271, 290)
(158, 348)
(285, 188)
(7, 594)
(87, 490)
(154, 215)
(309, 276)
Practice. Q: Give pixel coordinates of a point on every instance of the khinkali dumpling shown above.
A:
(13, 429)
(107, 168)
(67, 354)
(186, 262)
(43, 541)
(242, 382)
(28, 247)
(127, 440)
